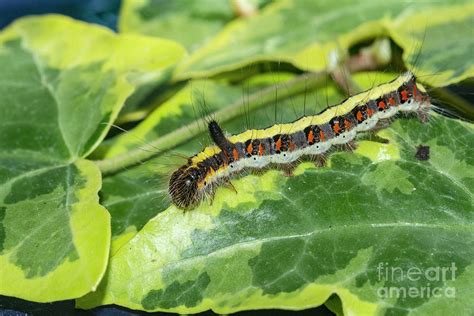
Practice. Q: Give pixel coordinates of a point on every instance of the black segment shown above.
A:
(352, 120)
(381, 104)
(255, 144)
(266, 143)
(219, 139)
(372, 105)
(337, 125)
(285, 141)
(247, 144)
(327, 130)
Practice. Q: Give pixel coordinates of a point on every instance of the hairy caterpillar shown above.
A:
(286, 143)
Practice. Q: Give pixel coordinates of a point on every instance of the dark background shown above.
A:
(104, 12)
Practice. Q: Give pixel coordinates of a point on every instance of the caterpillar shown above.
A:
(286, 143)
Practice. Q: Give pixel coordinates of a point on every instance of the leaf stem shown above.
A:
(299, 84)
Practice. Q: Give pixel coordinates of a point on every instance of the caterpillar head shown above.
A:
(183, 187)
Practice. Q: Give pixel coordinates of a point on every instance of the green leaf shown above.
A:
(62, 83)
(443, 38)
(133, 197)
(54, 235)
(192, 23)
(292, 242)
(309, 33)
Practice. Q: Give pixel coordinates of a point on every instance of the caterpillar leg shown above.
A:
(288, 170)
(423, 116)
(318, 160)
(210, 199)
(349, 146)
(209, 195)
(227, 184)
(381, 124)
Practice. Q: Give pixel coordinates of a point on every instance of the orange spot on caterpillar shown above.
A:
(249, 148)
(278, 144)
(236, 154)
(260, 150)
(370, 112)
(336, 128)
(347, 124)
(381, 105)
(360, 117)
(404, 95)
(292, 146)
(310, 137)
(392, 101)
(321, 135)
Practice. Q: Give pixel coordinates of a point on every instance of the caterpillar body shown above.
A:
(286, 143)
